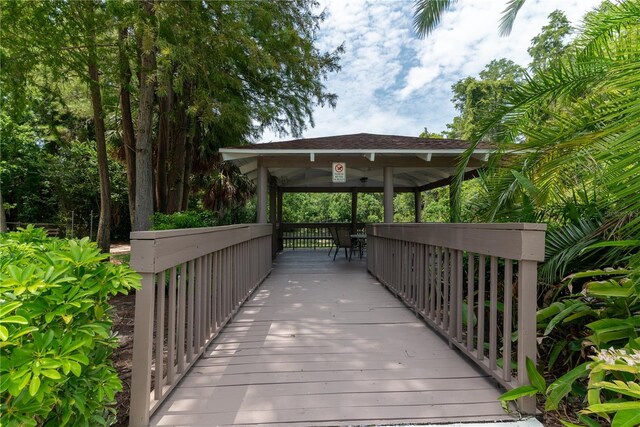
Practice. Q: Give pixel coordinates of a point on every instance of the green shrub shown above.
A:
(55, 330)
(186, 219)
(596, 333)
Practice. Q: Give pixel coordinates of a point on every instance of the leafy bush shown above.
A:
(55, 330)
(599, 327)
(205, 218)
(186, 219)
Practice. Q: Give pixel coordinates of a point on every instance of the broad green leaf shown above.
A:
(626, 418)
(617, 367)
(608, 289)
(627, 388)
(7, 308)
(614, 406)
(558, 389)
(516, 393)
(534, 376)
(50, 373)
(15, 319)
(592, 273)
(560, 316)
(4, 333)
(588, 421)
(34, 386)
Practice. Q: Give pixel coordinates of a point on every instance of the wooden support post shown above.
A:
(142, 349)
(388, 194)
(354, 210)
(273, 189)
(417, 194)
(527, 297)
(263, 181)
(279, 220)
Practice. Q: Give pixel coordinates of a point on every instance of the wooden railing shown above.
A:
(474, 283)
(193, 281)
(310, 234)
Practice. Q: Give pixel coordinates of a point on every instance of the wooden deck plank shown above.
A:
(322, 343)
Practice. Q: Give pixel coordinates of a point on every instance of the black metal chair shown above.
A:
(334, 239)
(343, 240)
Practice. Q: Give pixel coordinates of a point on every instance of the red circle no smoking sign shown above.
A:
(339, 167)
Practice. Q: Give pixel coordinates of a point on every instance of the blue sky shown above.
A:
(391, 82)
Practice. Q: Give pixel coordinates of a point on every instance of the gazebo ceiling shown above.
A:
(306, 164)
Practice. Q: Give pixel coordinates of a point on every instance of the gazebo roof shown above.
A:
(306, 164)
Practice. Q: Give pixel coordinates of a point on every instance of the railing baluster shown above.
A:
(445, 297)
(160, 287)
(182, 303)
(493, 312)
(470, 298)
(459, 295)
(482, 263)
(171, 328)
(432, 283)
(191, 312)
(439, 317)
(506, 337)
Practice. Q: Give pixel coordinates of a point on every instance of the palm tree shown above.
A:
(576, 125)
(428, 13)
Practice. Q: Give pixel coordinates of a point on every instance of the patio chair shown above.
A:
(334, 239)
(343, 240)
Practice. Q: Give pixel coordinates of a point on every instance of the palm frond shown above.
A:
(564, 245)
(428, 13)
(509, 16)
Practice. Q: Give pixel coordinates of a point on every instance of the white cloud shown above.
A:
(393, 83)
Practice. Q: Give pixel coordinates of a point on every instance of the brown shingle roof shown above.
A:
(364, 141)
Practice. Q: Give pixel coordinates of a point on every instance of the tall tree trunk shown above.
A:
(3, 217)
(176, 174)
(128, 133)
(104, 224)
(193, 136)
(162, 147)
(144, 155)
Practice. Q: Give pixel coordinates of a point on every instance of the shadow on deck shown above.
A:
(323, 343)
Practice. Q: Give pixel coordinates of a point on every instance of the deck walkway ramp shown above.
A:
(323, 343)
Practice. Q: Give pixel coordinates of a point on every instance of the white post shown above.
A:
(388, 194)
(263, 179)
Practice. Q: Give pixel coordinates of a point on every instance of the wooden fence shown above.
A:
(193, 281)
(474, 283)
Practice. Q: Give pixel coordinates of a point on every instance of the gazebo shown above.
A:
(366, 162)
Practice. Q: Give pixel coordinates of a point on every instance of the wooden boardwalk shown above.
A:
(323, 343)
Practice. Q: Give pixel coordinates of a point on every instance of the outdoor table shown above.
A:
(361, 241)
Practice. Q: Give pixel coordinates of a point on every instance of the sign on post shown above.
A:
(339, 172)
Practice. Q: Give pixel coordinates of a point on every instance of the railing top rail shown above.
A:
(492, 226)
(162, 234)
(155, 251)
(519, 241)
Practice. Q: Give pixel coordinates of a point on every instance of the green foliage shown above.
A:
(55, 330)
(478, 98)
(550, 44)
(604, 320)
(186, 219)
(27, 194)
